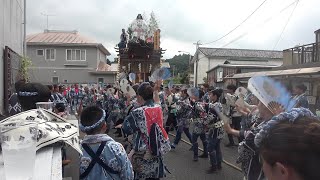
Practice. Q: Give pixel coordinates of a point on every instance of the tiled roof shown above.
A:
(250, 53)
(59, 37)
(114, 67)
(54, 37)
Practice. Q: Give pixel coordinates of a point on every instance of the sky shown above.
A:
(184, 22)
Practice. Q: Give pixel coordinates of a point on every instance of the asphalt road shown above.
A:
(182, 167)
(179, 162)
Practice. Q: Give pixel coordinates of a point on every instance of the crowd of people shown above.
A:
(271, 144)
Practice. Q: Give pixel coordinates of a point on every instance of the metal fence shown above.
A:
(12, 63)
(303, 54)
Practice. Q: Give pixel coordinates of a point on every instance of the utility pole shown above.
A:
(197, 59)
(24, 28)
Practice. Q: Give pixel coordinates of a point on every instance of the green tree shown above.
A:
(180, 63)
(205, 79)
(185, 78)
(153, 24)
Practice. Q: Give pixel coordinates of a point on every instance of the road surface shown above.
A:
(179, 162)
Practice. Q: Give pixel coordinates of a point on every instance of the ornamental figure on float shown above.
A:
(139, 29)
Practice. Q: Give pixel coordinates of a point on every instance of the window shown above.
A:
(220, 76)
(76, 55)
(40, 52)
(65, 81)
(100, 80)
(55, 80)
(50, 54)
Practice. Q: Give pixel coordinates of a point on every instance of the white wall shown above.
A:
(11, 33)
(204, 65)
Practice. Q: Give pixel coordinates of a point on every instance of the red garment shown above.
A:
(154, 115)
(65, 92)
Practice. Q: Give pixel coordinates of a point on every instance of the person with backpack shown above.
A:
(150, 140)
(102, 158)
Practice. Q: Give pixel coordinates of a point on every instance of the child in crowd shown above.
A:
(102, 158)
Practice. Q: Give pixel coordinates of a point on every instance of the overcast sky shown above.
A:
(183, 22)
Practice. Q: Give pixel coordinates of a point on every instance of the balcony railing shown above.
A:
(302, 54)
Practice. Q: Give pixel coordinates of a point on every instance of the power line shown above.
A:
(264, 22)
(287, 22)
(237, 25)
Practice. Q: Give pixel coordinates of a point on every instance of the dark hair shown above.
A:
(42, 94)
(135, 87)
(50, 87)
(109, 86)
(302, 87)
(206, 85)
(201, 94)
(232, 87)
(60, 107)
(185, 91)
(18, 84)
(90, 116)
(61, 88)
(216, 92)
(295, 145)
(145, 91)
(55, 86)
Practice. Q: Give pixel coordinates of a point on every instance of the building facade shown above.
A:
(301, 65)
(208, 58)
(66, 57)
(11, 36)
(216, 75)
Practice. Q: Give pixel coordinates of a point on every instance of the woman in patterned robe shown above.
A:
(146, 125)
(199, 117)
(184, 112)
(248, 152)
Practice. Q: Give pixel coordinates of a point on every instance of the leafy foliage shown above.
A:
(24, 68)
(180, 62)
(181, 66)
(153, 24)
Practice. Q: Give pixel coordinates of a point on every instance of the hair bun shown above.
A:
(313, 129)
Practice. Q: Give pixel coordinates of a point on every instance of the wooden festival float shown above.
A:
(140, 53)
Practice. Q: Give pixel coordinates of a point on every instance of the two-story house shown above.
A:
(67, 57)
(208, 58)
(216, 75)
(12, 37)
(301, 64)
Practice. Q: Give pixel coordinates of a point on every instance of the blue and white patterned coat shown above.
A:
(136, 124)
(113, 155)
(184, 113)
(199, 117)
